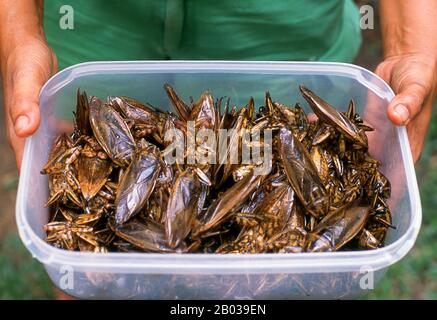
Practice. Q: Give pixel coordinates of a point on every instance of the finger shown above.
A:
(24, 101)
(374, 113)
(407, 103)
(18, 147)
(312, 117)
(418, 128)
(16, 143)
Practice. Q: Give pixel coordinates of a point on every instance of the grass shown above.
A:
(21, 277)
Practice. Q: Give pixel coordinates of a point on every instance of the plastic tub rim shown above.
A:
(216, 263)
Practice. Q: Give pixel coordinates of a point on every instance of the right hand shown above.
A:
(413, 79)
(25, 69)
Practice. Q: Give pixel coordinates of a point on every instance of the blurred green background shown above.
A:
(414, 277)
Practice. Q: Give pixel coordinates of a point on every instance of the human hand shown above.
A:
(26, 62)
(25, 69)
(413, 78)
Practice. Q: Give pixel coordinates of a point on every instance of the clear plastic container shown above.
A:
(208, 276)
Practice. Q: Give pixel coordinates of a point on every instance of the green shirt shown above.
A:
(325, 30)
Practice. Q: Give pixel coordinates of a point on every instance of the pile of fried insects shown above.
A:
(113, 188)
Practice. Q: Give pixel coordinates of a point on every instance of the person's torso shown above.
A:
(188, 29)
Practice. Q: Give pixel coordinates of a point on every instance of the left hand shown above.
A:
(413, 77)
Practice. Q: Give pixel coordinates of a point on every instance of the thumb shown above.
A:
(408, 102)
(24, 102)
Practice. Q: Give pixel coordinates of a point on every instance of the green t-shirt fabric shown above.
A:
(298, 30)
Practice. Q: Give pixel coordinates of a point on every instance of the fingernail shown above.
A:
(21, 123)
(402, 113)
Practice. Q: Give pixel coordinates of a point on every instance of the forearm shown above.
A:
(409, 27)
(20, 21)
